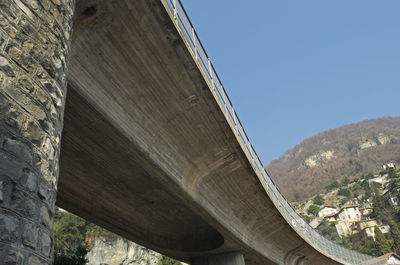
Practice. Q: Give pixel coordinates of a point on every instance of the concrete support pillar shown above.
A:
(232, 258)
(34, 43)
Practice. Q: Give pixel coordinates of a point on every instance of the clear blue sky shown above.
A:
(296, 68)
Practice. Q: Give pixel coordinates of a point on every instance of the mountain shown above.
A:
(348, 151)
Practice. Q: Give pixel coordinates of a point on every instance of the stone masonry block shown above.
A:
(9, 167)
(1, 191)
(30, 235)
(13, 119)
(6, 67)
(4, 105)
(46, 218)
(46, 4)
(11, 124)
(34, 261)
(18, 148)
(32, 132)
(12, 257)
(44, 191)
(22, 59)
(47, 195)
(9, 226)
(6, 186)
(24, 204)
(26, 102)
(45, 243)
(48, 149)
(29, 180)
(47, 171)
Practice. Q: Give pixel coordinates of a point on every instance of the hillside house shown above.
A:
(344, 228)
(331, 218)
(393, 201)
(366, 212)
(349, 213)
(326, 211)
(380, 180)
(346, 218)
(388, 165)
(369, 232)
(365, 224)
(392, 192)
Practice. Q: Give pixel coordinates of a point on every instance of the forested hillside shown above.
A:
(348, 151)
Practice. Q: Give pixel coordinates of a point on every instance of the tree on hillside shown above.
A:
(376, 185)
(356, 188)
(329, 231)
(346, 242)
(369, 176)
(344, 192)
(318, 200)
(71, 257)
(69, 230)
(378, 201)
(381, 243)
(392, 172)
(164, 260)
(395, 232)
(369, 248)
(313, 209)
(333, 185)
(394, 181)
(69, 236)
(345, 180)
(364, 184)
(306, 218)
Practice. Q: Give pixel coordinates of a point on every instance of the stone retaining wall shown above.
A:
(35, 36)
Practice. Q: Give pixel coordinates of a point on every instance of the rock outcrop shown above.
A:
(115, 250)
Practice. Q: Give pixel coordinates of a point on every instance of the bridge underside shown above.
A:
(107, 180)
(148, 154)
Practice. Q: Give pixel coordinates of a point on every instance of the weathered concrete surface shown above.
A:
(232, 258)
(34, 46)
(147, 152)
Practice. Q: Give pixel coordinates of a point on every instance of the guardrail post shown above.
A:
(195, 44)
(209, 70)
(211, 75)
(175, 10)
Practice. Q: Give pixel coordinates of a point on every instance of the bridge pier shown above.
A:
(35, 36)
(232, 258)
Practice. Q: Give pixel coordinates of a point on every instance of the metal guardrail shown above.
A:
(320, 243)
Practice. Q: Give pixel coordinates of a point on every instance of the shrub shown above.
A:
(164, 260)
(318, 200)
(344, 192)
(313, 209)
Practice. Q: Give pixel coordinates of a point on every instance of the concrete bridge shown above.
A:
(151, 147)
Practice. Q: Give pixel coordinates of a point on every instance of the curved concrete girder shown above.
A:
(129, 62)
(232, 258)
